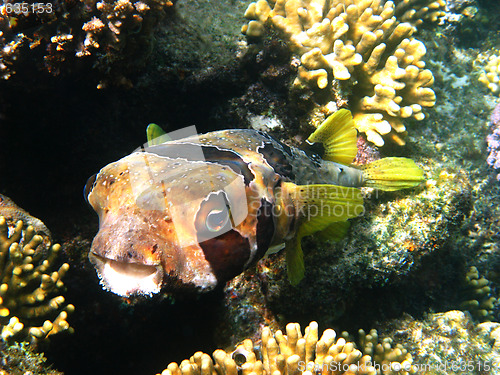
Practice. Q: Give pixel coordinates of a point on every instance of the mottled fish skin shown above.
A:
(290, 163)
(13, 213)
(154, 208)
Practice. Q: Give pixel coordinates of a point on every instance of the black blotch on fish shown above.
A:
(191, 152)
(286, 149)
(265, 227)
(278, 160)
(314, 151)
(227, 254)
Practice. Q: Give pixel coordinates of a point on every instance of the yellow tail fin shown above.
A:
(391, 174)
(318, 207)
(339, 137)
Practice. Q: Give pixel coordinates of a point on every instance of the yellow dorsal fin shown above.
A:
(391, 174)
(317, 207)
(339, 137)
(156, 135)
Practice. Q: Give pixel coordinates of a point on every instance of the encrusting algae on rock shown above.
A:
(359, 40)
(21, 358)
(29, 288)
(13, 213)
(294, 353)
(451, 343)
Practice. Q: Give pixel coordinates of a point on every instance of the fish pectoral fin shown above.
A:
(295, 257)
(318, 206)
(274, 249)
(294, 261)
(392, 173)
(338, 136)
(156, 135)
(335, 231)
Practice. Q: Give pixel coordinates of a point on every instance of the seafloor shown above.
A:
(402, 268)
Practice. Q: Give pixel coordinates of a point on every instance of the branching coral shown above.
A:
(104, 32)
(481, 302)
(383, 351)
(358, 39)
(29, 290)
(291, 354)
(418, 11)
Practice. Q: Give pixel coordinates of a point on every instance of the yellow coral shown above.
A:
(294, 353)
(481, 304)
(28, 288)
(340, 39)
(490, 76)
(384, 352)
(418, 11)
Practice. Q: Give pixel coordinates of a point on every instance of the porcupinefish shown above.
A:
(193, 213)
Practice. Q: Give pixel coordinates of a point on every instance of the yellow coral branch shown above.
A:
(29, 289)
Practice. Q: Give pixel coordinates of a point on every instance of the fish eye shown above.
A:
(217, 219)
(88, 187)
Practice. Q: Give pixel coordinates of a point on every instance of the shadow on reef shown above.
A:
(112, 336)
(478, 24)
(432, 285)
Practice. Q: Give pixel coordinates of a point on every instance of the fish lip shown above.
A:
(128, 278)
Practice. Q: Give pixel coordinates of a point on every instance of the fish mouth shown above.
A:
(127, 278)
